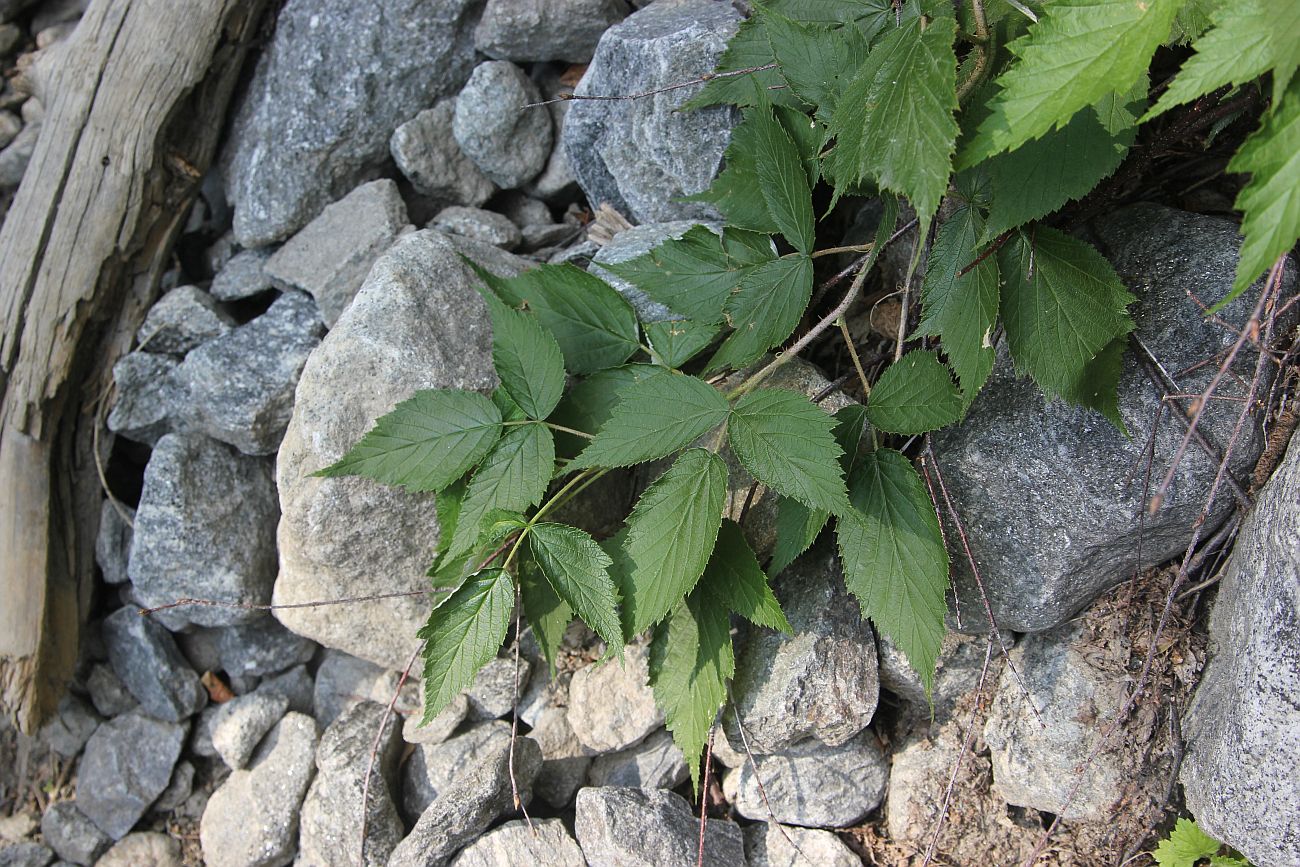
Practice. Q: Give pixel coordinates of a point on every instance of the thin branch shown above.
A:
(851, 248)
(374, 751)
(853, 353)
(706, 77)
(514, 712)
(319, 603)
(704, 796)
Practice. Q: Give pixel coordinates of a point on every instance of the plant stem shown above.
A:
(852, 248)
(853, 353)
(569, 430)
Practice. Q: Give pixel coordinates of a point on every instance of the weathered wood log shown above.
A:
(135, 101)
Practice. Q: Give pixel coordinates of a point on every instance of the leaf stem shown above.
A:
(980, 46)
(851, 248)
(569, 430)
(853, 353)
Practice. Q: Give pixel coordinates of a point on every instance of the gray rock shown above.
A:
(149, 397)
(641, 155)
(72, 835)
(812, 784)
(16, 155)
(611, 705)
(492, 694)
(416, 323)
(1048, 490)
(565, 761)
(331, 256)
(1243, 726)
(201, 741)
(145, 657)
(143, 849)
(113, 543)
(127, 765)
(425, 150)
(108, 693)
(635, 242)
(655, 763)
(178, 790)
(486, 226)
(469, 806)
(201, 647)
(181, 320)
(69, 730)
(432, 769)
(557, 182)
(262, 647)
(546, 844)
(343, 681)
(25, 855)
(539, 235)
(17, 827)
(204, 529)
(57, 12)
(240, 386)
(820, 681)
(957, 672)
(769, 845)
(241, 723)
(295, 685)
(649, 828)
(510, 30)
(509, 144)
(335, 81)
(252, 819)
(242, 276)
(440, 727)
(331, 811)
(10, 125)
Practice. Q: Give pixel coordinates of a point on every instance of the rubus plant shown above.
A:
(986, 117)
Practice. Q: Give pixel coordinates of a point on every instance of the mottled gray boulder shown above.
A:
(640, 155)
(330, 257)
(565, 761)
(261, 647)
(655, 763)
(181, 320)
(650, 828)
(634, 242)
(812, 784)
(329, 90)
(343, 680)
(240, 386)
(148, 397)
(240, 724)
(569, 30)
(611, 705)
(204, 529)
(486, 226)
(822, 681)
(107, 691)
(71, 727)
(416, 323)
(425, 150)
(769, 845)
(241, 277)
(330, 817)
(143, 849)
(492, 694)
(127, 764)
(72, 835)
(510, 145)
(145, 657)
(440, 727)
(1243, 726)
(433, 768)
(470, 805)
(546, 844)
(113, 543)
(957, 672)
(1049, 491)
(252, 819)
(25, 854)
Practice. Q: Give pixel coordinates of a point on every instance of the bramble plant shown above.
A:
(1187, 845)
(986, 117)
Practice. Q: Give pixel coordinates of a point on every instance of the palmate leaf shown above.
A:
(783, 180)
(526, 358)
(1077, 52)
(915, 394)
(654, 418)
(1186, 845)
(894, 558)
(578, 571)
(765, 310)
(670, 535)
(514, 476)
(462, 634)
(734, 581)
(427, 442)
(674, 342)
(547, 613)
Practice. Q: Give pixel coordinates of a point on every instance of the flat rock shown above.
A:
(641, 155)
(243, 276)
(113, 542)
(440, 727)
(262, 647)
(433, 769)
(331, 256)
(509, 144)
(145, 657)
(71, 835)
(149, 397)
(486, 226)
(143, 849)
(328, 91)
(546, 844)
(567, 30)
(426, 152)
(611, 705)
(565, 761)
(241, 723)
(619, 827)
(655, 763)
(127, 764)
(204, 529)
(770, 845)
(181, 320)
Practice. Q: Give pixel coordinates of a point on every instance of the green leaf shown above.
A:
(797, 527)
(676, 341)
(1192, 20)
(894, 558)
(815, 61)
(654, 418)
(527, 359)
(693, 274)
(1077, 52)
(670, 535)
(736, 191)
(783, 180)
(462, 634)
(514, 476)
(579, 572)
(735, 581)
(595, 326)
(895, 123)
(765, 310)
(785, 442)
(590, 403)
(447, 507)
(915, 394)
(1098, 384)
(962, 310)
(1186, 845)
(427, 442)
(691, 659)
(1062, 303)
(546, 612)
(1271, 200)
(748, 49)
(808, 136)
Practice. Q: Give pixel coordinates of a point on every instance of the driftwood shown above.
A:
(134, 103)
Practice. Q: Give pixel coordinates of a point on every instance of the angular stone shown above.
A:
(241, 723)
(143, 849)
(113, 543)
(252, 819)
(634, 242)
(957, 672)
(204, 529)
(1243, 725)
(149, 397)
(72, 835)
(262, 647)
(486, 226)
(417, 323)
(242, 277)
(25, 854)
(567, 30)
(611, 705)
(240, 386)
(295, 685)
(1047, 490)
(812, 784)
(565, 761)
(425, 150)
(432, 769)
(641, 155)
(655, 763)
(181, 320)
(343, 681)
(334, 82)
(546, 844)
(492, 694)
(127, 765)
(331, 256)
(510, 145)
(440, 727)
(770, 845)
(822, 680)
(69, 730)
(107, 691)
(145, 657)
(178, 790)
(650, 828)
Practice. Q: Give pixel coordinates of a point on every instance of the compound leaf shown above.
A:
(736, 192)
(915, 394)
(514, 476)
(589, 404)
(674, 342)
(1186, 845)
(547, 613)
(765, 310)
(783, 180)
(797, 527)
(737, 583)
(462, 634)
(578, 571)
(526, 358)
